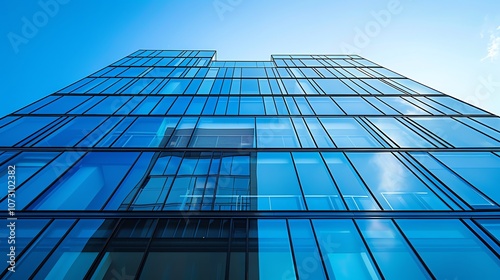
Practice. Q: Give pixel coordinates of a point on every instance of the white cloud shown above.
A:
(493, 46)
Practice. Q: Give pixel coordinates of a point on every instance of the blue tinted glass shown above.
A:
(379, 86)
(38, 104)
(147, 132)
(210, 106)
(224, 133)
(394, 186)
(206, 86)
(401, 135)
(163, 106)
(319, 134)
(85, 187)
(493, 122)
(456, 184)
(196, 106)
(353, 190)
(403, 106)
(275, 255)
(180, 105)
(334, 86)
(456, 133)
(381, 105)
(132, 180)
(183, 132)
(276, 133)
(75, 254)
(109, 105)
(146, 106)
(450, 250)
(390, 250)
(356, 106)
(492, 226)
(26, 230)
(303, 105)
(277, 183)
(27, 164)
(307, 257)
(280, 106)
(249, 86)
(414, 86)
(251, 106)
(40, 249)
(175, 86)
(457, 105)
(305, 138)
(324, 106)
(221, 106)
(264, 86)
(482, 170)
(317, 185)
(343, 251)
(348, 133)
(270, 106)
(22, 128)
(71, 133)
(292, 86)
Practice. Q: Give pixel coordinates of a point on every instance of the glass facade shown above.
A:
(174, 165)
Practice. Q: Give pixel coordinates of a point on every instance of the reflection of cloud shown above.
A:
(493, 45)
(391, 173)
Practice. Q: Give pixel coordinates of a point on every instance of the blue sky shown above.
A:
(452, 46)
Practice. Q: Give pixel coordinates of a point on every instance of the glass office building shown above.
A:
(174, 165)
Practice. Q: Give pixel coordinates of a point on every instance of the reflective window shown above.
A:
(22, 128)
(456, 184)
(147, 132)
(251, 106)
(348, 133)
(224, 132)
(482, 170)
(334, 86)
(88, 184)
(307, 257)
(492, 226)
(319, 134)
(403, 106)
(356, 106)
(71, 133)
(343, 251)
(390, 250)
(394, 186)
(317, 185)
(450, 250)
(74, 256)
(352, 188)
(456, 133)
(400, 134)
(324, 106)
(277, 184)
(414, 86)
(276, 133)
(458, 105)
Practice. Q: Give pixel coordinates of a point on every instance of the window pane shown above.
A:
(356, 106)
(71, 133)
(324, 106)
(343, 251)
(22, 128)
(353, 190)
(276, 133)
(319, 190)
(147, 132)
(456, 184)
(450, 250)
(400, 134)
(456, 133)
(277, 184)
(482, 170)
(307, 258)
(348, 133)
(394, 186)
(224, 132)
(333, 86)
(390, 250)
(88, 184)
(251, 106)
